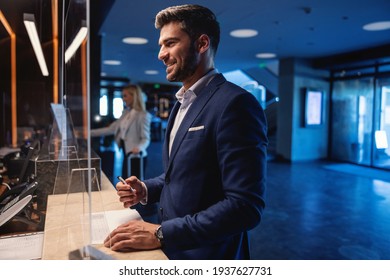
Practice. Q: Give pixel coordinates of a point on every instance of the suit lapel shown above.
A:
(196, 107)
(170, 123)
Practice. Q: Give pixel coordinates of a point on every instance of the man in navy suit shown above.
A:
(214, 155)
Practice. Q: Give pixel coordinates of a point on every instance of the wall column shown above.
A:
(295, 142)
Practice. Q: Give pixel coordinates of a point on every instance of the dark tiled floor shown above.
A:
(317, 213)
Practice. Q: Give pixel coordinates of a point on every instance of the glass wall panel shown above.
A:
(381, 149)
(352, 110)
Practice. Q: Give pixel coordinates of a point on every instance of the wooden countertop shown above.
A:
(66, 231)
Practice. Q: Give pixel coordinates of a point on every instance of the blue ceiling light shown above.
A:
(243, 33)
(377, 26)
(112, 62)
(135, 40)
(266, 55)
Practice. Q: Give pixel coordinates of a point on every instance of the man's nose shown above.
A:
(162, 54)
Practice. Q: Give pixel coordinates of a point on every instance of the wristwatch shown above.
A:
(159, 235)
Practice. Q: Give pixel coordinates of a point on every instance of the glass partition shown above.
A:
(50, 115)
(26, 93)
(75, 64)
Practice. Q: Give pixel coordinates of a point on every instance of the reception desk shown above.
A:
(63, 232)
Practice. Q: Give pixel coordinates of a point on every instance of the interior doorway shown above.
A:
(361, 121)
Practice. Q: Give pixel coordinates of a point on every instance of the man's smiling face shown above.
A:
(177, 52)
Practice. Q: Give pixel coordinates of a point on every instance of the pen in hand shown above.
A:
(124, 182)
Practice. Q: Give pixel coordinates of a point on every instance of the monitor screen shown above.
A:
(313, 107)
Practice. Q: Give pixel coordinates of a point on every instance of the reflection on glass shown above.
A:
(381, 140)
(382, 134)
(352, 102)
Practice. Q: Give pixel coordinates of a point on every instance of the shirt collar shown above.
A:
(193, 91)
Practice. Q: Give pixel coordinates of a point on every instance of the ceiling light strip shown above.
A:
(29, 22)
(6, 24)
(81, 35)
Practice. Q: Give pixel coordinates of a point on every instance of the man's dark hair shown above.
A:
(195, 20)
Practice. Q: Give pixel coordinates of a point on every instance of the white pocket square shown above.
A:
(195, 128)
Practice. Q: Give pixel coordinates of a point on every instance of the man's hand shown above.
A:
(133, 235)
(131, 193)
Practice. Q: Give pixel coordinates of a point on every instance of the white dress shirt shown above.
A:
(186, 98)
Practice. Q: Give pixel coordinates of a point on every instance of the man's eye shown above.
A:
(170, 43)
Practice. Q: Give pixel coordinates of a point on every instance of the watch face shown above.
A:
(159, 233)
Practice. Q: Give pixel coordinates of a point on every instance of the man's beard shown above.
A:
(188, 67)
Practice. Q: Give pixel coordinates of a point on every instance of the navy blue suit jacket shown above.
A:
(212, 189)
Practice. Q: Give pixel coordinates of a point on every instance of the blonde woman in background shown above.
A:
(131, 130)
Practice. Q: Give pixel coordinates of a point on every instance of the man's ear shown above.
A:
(203, 43)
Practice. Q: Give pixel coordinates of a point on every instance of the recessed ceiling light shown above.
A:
(265, 55)
(377, 26)
(135, 40)
(151, 72)
(112, 62)
(243, 33)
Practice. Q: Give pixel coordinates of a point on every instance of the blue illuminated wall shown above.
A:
(295, 142)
